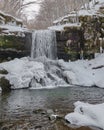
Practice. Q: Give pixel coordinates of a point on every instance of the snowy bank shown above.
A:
(42, 72)
(87, 115)
(84, 72)
(25, 73)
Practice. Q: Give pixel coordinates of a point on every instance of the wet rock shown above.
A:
(38, 127)
(50, 112)
(52, 116)
(5, 85)
(3, 71)
(39, 111)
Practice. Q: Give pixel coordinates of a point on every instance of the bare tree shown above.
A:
(53, 9)
(11, 6)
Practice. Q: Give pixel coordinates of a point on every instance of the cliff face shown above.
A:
(81, 34)
(15, 40)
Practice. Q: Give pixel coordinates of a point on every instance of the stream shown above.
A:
(26, 109)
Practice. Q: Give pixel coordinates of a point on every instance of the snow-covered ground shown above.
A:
(43, 72)
(86, 114)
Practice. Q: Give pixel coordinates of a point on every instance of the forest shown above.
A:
(49, 10)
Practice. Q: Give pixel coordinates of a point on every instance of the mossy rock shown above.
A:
(73, 55)
(88, 55)
(12, 42)
(5, 85)
(72, 28)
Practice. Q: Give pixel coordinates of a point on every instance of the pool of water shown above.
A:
(18, 105)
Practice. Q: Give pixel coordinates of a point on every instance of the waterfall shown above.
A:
(44, 53)
(44, 44)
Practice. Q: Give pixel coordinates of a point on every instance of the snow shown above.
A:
(86, 114)
(10, 28)
(81, 72)
(61, 27)
(46, 73)
(21, 71)
(25, 72)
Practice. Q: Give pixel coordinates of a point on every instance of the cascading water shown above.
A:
(44, 44)
(44, 51)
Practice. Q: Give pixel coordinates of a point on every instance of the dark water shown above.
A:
(18, 105)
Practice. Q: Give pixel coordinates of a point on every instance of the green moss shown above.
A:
(71, 28)
(11, 42)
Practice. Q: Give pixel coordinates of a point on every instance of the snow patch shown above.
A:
(86, 114)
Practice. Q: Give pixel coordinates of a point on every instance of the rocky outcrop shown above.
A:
(69, 43)
(81, 42)
(12, 46)
(81, 35)
(15, 40)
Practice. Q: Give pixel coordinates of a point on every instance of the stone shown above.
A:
(39, 111)
(3, 71)
(5, 85)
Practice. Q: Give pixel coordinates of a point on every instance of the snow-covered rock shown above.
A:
(43, 72)
(82, 72)
(24, 73)
(86, 114)
(10, 25)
